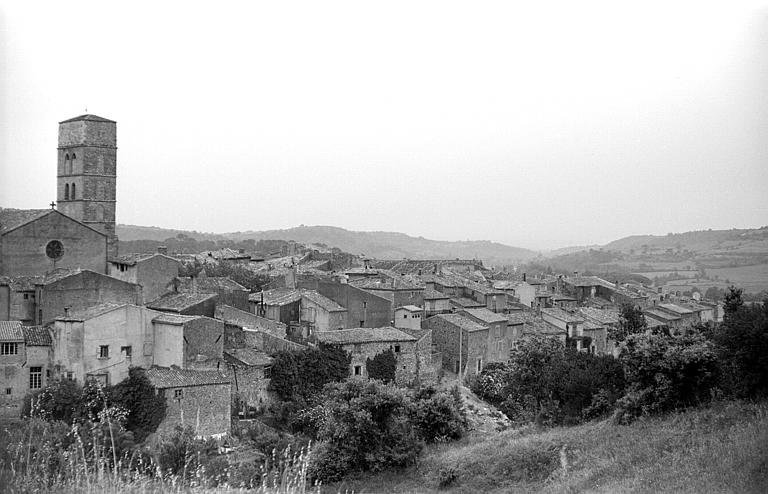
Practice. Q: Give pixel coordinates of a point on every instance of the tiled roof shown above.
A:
(462, 322)
(362, 335)
(653, 322)
(432, 294)
(562, 315)
(517, 306)
(209, 283)
(176, 319)
(21, 283)
(661, 315)
(541, 328)
(676, 309)
(61, 273)
(90, 312)
(249, 356)
(517, 318)
(485, 315)
(322, 301)
(11, 331)
(278, 296)
(174, 377)
(508, 284)
(37, 336)
(179, 301)
(557, 297)
(131, 259)
(602, 316)
(12, 218)
(388, 284)
(88, 117)
(464, 303)
(410, 308)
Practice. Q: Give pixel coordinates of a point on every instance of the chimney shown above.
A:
(617, 284)
(162, 249)
(66, 312)
(575, 274)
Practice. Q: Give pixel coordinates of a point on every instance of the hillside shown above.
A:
(380, 245)
(722, 448)
(742, 241)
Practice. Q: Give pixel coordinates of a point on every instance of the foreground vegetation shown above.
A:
(719, 448)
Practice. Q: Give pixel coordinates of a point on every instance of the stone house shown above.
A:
(462, 342)
(188, 304)
(436, 302)
(25, 356)
(279, 304)
(242, 319)
(500, 338)
(229, 292)
(366, 343)
(190, 342)
(194, 398)
(154, 272)
(321, 313)
(573, 323)
(519, 291)
(408, 316)
(18, 299)
(249, 371)
(395, 289)
(686, 315)
(365, 309)
(657, 318)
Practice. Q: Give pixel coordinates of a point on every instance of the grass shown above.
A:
(721, 448)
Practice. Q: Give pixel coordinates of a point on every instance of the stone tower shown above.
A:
(87, 173)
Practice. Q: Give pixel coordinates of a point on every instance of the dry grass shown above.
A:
(723, 448)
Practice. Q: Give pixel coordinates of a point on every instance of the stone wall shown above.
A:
(206, 408)
(203, 336)
(17, 305)
(235, 316)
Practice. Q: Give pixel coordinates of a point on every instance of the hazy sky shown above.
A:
(562, 124)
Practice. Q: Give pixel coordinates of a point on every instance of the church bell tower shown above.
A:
(87, 173)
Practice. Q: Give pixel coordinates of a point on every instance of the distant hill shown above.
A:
(380, 245)
(743, 241)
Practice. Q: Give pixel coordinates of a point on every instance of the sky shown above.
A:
(535, 124)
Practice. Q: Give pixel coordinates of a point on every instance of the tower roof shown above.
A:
(91, 118)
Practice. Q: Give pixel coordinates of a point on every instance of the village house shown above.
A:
(462, 342)
(229, 292)
(458, 304)
(366, 343)
(365, 309)
(573, 324)
(154, 272)
(436, 302)
(190, 342)
(242, 319)
(657, 318)
(408, 316)
(686, 315)
(320, 313)
(395, 289)
(279, 304)
(517, 291)
(193, 398)
(249, 372)
(500, 338)
(188, 304)
(25, 364)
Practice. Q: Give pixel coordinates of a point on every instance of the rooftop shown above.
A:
(178, 302)
(278, 296)
(11, 331)
(462, 322)
(661, 315)
(363, 335)
(88, 117)
(485, 315)
(676, 309)
(209, 283)
(602, 316)
(466, 303)
(409, 308)
(322, 301)
(37, 336)
(175, 319)
(562, 315)
(249, 356)
(174, 377)
(432, 294)
(90, 312)
(388, 284)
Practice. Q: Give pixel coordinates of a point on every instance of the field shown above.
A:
(751, 278)
(723, 448)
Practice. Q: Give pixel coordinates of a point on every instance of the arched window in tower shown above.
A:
(66, 192)
(72, 162)
(73, 192)
(67, 165)
(99, 212)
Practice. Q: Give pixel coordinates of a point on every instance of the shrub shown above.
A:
(437, 416)
(58, 400)
(301, 375)
(664, 373)
(137, 395)
(382, 366)
(367, 428)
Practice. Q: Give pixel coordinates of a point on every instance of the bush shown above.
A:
(301, 375)
(665, 373)
(382, 366)
(438, 416)
(146, 410)
(367, 428)
(57, 401)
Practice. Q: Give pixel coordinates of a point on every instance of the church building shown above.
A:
(81, 233)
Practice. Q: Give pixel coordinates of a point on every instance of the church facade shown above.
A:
(81, 233)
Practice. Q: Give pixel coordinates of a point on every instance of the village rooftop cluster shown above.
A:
(73, 307)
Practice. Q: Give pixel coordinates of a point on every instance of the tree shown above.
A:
(382, 366)
(732, 300)
(146, 409)
(631, 321)
(301, 375)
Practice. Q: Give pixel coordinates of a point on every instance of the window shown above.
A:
(479, 365)
(365, 304)
(267, 372)
(128, 350)
(54, 250)
(8, 391)
(9, 349)
(73, 191)
(456, 367)
(358, 370)
(66, 192)
(70, 376)
(26, 296)
(104, 351)
(35, 377)
(405, 316)
(397, 348)
(178, 393)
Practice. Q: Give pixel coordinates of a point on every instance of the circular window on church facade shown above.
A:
(54, 250)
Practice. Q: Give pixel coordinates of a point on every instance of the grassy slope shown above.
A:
(723, 448)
